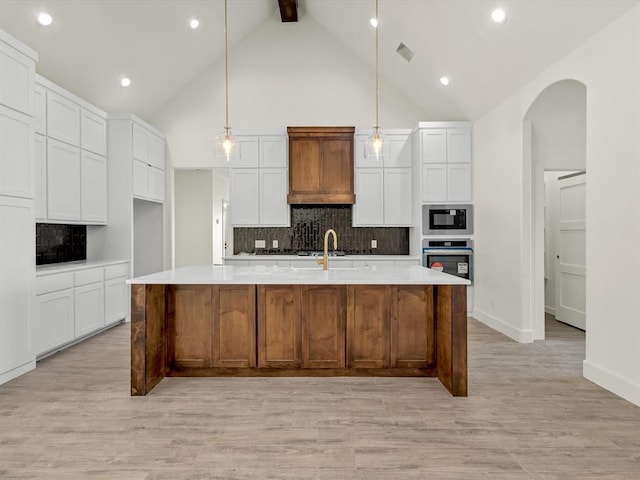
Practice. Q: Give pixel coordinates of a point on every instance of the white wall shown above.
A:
(609, 65)
(193, 209)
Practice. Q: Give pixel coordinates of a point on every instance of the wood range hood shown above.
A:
(321, 165)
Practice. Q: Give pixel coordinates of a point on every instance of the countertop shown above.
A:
(275, 275)
(331, 259)
(73, 266)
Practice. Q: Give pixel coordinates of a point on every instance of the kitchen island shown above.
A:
(275, 321)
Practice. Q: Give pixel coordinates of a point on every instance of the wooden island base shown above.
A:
(298, 330)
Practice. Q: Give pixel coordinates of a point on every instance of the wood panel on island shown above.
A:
(298, 330)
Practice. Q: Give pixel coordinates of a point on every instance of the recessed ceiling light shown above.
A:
(125, 81)
(499, 15)
(44, 19)
(444, 81)
(374, 22)
(194, 23)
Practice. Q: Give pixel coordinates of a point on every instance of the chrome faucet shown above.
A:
(324, 261)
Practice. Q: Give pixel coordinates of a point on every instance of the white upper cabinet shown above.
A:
(63, 119)
(445, 158)
(368, 209)
(246, 153)
(93, 131)
(148, 151)
(156, 155)
(93, 184)
(40, 110)
(399, 151)
(398, 198)
(16, 147)
(40, 168)
(17, 72)
(274, 184)
(63, 181)
(140, 145)
(273, 151)
(245, 199)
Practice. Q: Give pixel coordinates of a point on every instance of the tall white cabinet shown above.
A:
(17, 226)
(71, 157)
(384, 189)
(136, 180)
(258, 181)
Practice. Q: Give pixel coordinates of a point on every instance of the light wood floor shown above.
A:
(529, 415)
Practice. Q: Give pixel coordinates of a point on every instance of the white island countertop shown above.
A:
(275, 275)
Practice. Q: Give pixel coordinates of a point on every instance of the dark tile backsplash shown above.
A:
(60, 243)
(308, 224)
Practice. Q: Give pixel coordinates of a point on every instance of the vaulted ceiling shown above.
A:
(93, 43)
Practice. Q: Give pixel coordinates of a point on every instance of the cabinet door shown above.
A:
(93, 132)
(368, 326)
(361, 160)
(305, 166)
(459, 182)
(40, 110)
(156, 152)
(398, 197)
(338, 166)
(63, 181)
(412, 327)
(115, 300)
(40, 168)
(279, 326)
(93, 182)
(17, 73)
(140, 179)
(368, 208)
(16, 289)
(16, 146)
(244, 197)
(273, 151)
(189, 340)
(434, 182)
(399, 151)
(324, 311)
(459, 145)
(434, 146)
(140, 144)
(246, 153)
(52, 320)
(274, 210)
(88, 305)
(156, 184)
(234, 326)
(63, 119)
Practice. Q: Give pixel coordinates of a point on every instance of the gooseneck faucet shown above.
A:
(324, 261)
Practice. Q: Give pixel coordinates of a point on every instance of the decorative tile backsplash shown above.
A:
(60, 243)
(308, 224)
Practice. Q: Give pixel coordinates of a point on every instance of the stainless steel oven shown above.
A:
(447, 219)
(453, 256)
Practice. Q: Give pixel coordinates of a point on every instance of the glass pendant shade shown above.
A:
(225, 145)
(377, 146)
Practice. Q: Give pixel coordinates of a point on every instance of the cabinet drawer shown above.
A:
(91, 275)
(115, 271)
(53, 283)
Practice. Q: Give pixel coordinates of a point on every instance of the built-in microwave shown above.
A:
(447, 219)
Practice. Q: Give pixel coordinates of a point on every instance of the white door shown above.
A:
(571, 269)
(369, 192)
(88, 303)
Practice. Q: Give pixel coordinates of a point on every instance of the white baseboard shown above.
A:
(617, 384)
(16, 372)
(521, 336)
(550, 310)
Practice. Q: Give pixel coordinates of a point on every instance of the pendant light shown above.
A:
(225, 142)
(377, 148)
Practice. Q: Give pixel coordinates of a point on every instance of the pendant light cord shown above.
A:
(226, 73)
(377, 126)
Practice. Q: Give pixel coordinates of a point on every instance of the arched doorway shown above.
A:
(554, 139)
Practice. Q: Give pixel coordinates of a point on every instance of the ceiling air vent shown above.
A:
(405, 52)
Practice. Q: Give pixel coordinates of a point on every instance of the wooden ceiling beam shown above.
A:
(288, 10)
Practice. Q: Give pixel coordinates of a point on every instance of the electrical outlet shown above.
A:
(374, 243)
(260, 244)
(274, 244)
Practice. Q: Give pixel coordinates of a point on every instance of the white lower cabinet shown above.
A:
(74, 304)
(53, 320)
(88, 308)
